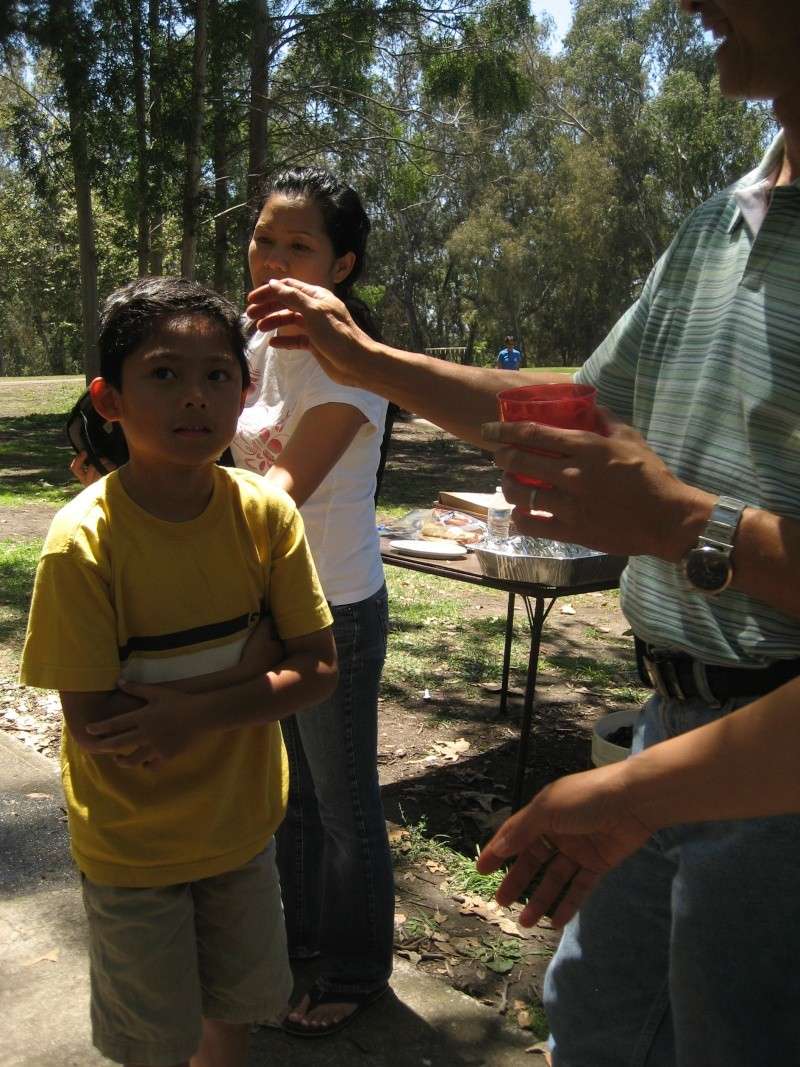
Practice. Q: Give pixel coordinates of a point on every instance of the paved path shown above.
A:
(44, 981)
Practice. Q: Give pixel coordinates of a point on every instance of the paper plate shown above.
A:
(430, 549)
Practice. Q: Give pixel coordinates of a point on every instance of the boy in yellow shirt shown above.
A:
(149, 616)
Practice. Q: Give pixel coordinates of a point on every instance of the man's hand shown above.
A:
(571, 833)
(611, 493)
(164, 727)
(325, 325)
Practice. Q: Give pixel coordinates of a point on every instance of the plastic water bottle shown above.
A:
(499, 516)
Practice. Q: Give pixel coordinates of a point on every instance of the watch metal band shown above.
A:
(723, 523)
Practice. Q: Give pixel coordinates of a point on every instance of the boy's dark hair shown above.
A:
(346, 224)
(134, 311)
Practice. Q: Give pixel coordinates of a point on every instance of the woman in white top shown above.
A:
(321, 443)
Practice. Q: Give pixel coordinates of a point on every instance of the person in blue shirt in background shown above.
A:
(509, 358)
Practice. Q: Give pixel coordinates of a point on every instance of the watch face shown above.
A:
(708, 569)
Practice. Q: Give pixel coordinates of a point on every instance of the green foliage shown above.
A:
(415, 843)
(511, 190)
(486, 71)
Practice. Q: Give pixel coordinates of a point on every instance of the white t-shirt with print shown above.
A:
(339, 515)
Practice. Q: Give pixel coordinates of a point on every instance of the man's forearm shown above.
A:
(742, 766)
(457, 398)
(766, 556)
(766, 550)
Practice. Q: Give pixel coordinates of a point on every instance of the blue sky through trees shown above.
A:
(561, 13)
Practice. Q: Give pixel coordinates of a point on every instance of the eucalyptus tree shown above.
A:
(64, 28)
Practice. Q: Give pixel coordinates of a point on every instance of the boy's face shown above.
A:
(181, 393)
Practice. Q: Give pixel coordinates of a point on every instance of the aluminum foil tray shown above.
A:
(543, 562)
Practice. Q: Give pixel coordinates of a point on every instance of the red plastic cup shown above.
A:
(566, 405)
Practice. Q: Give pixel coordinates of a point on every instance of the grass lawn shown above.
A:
(34, 454)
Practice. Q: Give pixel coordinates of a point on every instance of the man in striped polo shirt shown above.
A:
(687, 953)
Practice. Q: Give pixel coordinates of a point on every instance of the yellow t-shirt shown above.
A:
(120, 593)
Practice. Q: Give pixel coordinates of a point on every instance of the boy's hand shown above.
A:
(166, 726)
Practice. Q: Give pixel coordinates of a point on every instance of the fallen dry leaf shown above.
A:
(434, 867)
(524, 1019)
(399, 918)
(466, 946)
(48, 957)
(484, 800)
(541, 1048)
(490, 821)
(491, 911)
(451, 750)
(567, 609)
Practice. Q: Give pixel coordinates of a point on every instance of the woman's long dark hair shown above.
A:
(346, 224)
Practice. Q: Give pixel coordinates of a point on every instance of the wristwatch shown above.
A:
(708, 567)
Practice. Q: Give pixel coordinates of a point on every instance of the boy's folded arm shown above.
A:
(167, 721)
(261, 652)
(81, 709)
(306, 675)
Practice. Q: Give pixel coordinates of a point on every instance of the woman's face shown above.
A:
(289, 241)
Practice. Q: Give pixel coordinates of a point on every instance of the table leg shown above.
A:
(536, 624)
(507, 654)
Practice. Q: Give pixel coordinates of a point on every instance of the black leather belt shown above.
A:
(676, 676)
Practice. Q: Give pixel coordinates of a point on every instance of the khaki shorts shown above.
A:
(163, 959)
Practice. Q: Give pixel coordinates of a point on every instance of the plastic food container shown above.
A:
(543, 562)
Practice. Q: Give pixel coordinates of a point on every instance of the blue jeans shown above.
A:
(333, 852)
(688, 954)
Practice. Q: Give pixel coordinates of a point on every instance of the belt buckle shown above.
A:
(700, 676)
(664, 678)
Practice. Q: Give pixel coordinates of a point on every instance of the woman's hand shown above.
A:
(85, 472)
(611, 493)
(571, 833)
(325, 326)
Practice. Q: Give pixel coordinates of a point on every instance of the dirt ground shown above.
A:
(447, 763)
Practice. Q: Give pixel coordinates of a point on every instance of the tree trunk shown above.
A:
(75, 81)
(257, 126)
(469, 356)
(257, 156)
(191, 192)
(419, 340)
(155, 181)
(140, 108)
(219, 153)
(86, 244)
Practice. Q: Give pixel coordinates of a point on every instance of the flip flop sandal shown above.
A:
(317, 996)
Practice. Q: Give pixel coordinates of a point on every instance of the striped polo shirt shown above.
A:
(706, 366)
